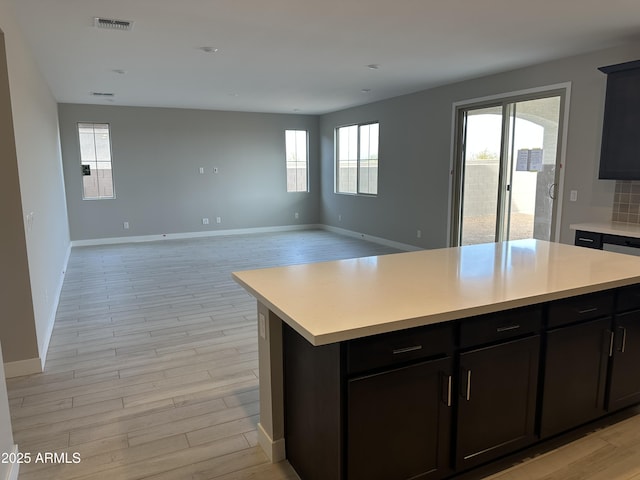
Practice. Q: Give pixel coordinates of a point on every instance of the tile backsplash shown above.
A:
(626, 202)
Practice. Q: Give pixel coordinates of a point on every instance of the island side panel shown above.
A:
(313, 399)
(271, 424)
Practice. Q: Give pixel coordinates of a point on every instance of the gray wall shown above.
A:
(415, 151)
(157, 154)
(39, 193)
(17, 324)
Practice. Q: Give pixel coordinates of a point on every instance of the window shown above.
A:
(95, 157)
(297, 160)
(357, 159)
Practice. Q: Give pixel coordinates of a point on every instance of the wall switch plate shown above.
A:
(218, 219)
(125, 225)
(205, 221)
(419, 234)
(201, 170)
(262, 326)
(297, 215)
(574, 196)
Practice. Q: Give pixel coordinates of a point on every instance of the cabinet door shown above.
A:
(620, 140)
(497, 404)
(575, 375)
(399, 423)
(624, 387)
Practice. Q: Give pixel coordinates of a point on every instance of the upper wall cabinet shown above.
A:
(620, 154)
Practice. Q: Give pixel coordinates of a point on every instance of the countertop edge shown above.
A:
(432, 319)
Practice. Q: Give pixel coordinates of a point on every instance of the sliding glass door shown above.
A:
(506, 170)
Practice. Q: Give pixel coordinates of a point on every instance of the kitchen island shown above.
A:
(431, 326)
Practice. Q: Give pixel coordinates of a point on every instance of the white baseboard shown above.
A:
(21, 368)
(13, 468)
(370, 238)
(274, 450)
(176, 236)
(54, 309)
(243, 231)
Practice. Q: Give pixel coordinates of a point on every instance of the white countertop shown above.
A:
(341, 300)
(612, 228)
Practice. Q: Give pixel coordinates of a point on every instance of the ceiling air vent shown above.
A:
(102, 94)
(112, 24)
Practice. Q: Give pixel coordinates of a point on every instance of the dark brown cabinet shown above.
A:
(575, 375)
(430, 402)
(624, 379)
(399, 423)
(497, 400)
(620, 139)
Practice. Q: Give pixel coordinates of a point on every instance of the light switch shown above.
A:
(262, 326)
(574, 196)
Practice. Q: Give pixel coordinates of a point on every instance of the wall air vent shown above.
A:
(112, 24)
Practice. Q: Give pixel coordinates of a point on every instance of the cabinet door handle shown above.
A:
(589, 240)
(624, 339)
(611, 337)
(446, 389)
(506, 329)
(398, 351)
(468, 385)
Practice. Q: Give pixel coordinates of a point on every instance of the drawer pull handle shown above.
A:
(468, 385)
(407, 349)
(506, 329)
(587, 310)
(624, 339)
(449, 391)
(589, 240)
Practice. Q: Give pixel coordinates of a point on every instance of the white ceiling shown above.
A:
(300, 55)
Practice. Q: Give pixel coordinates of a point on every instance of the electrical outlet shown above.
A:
(574, 196)
(297, 215)
(215, 169)
(419, 234)
(205, 221)
(218, 219)
(125, 225)
(340, 217)
(29, 221)
(201, 170)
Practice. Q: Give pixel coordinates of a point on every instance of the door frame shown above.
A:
(457, 127)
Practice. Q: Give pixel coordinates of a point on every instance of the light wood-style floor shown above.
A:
(152, 366)
(152, 371)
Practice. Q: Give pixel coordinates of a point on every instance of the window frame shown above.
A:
(358, 191)
(306, 162)
(113, 189)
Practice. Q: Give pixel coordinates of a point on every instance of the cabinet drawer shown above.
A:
(628, 298)
(501, 325)
(588, 239)
(388, 349)
(583, 307)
